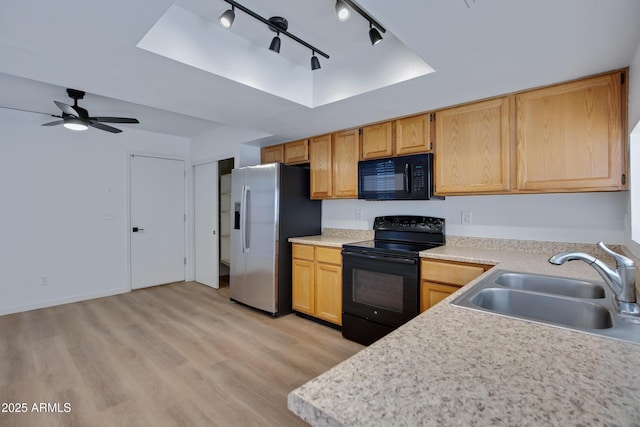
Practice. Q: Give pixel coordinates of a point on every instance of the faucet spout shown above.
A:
(610, 276)
(621, 280)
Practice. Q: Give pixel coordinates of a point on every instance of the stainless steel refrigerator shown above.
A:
(270, 204)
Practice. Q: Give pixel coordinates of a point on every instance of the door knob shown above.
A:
(136, 229)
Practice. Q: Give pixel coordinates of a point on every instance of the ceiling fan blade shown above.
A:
(104, 127)
(114, 120)
(29, 111)
(67, 109)
(54, 123)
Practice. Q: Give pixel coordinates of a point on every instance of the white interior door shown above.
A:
(158, 221)
(207, 256)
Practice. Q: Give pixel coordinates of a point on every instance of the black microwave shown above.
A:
(396, 178)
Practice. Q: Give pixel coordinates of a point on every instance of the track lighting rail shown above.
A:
(281, 31)
(365, 15)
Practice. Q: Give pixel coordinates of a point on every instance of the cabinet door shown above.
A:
(296, 152)
(320, 159)
(346, 149)
(303, 286)
(377, 141)
(433, 293)
(413, 135)
(569, 136)
(472, 148)
(329, 292)
(275, 153)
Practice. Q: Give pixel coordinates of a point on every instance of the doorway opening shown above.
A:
(225, 167)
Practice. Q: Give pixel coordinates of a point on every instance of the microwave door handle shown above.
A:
(407, 178)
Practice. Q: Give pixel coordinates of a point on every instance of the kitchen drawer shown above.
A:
(302, 251)
(450, 273)
(329, 255)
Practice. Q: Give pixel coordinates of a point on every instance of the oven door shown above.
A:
(380, 288)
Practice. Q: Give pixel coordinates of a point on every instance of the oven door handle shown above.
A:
(382, 258)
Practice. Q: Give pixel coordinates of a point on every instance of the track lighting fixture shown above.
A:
(275, 43)
(315, 62)
(374, 35)
(342, 10)
(226, 19)
(277, 24)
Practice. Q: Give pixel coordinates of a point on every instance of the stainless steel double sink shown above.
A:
(579, 305)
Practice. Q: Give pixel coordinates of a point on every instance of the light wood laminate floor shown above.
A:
(175, 355)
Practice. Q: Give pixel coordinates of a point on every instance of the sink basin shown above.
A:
(582, 306)
(547, 308)
(550, 285)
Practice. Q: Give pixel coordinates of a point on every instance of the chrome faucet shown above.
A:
(622, 281)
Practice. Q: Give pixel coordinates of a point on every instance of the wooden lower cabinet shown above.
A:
(439, 279)
(317, 282)
(303, 282)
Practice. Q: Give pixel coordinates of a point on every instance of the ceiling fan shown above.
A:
(77, 118)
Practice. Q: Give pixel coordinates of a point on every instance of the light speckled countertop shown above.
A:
(454, 366)
(331, 241)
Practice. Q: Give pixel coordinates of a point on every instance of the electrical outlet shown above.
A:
(465, 217)
(43, 280)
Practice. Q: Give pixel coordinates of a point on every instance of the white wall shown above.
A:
(633, 202)
(56, 189)
(576, 217)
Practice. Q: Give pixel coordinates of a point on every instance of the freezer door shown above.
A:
(237, 278)
(260, 210)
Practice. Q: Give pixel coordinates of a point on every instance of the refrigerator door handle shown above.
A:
(244, 232)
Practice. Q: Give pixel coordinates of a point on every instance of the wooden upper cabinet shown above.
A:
(275, 153)
(346, 152)
(570, 136)
(472, 152)
(413, 134)
(321, 160)
(296, 152)
(377, 141)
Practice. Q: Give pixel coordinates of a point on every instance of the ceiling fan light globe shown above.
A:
(75, 124)
(342, 10)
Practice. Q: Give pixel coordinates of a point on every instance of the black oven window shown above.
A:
(378, 290)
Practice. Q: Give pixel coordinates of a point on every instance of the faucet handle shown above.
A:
(621, 260)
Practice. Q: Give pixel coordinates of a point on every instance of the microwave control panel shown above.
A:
(417, 184)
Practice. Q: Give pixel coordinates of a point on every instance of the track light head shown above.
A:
(315, 62)
(374, 35)
(226, 19)
(275, 44)
(342, 10)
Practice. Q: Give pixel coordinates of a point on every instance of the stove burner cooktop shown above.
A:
(402, 235)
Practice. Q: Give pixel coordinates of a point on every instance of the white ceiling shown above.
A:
(494, 47)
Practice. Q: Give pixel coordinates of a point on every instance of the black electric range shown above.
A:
(381, 277)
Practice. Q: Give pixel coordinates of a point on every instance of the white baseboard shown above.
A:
(60, 301)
